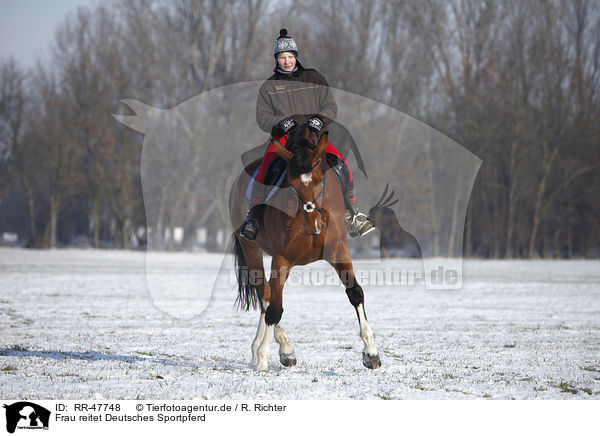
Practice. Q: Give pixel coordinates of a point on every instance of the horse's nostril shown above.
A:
(318, 229)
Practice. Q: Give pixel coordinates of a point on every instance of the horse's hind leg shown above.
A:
(260, 335)
(287, 357)
(256, 270)
(272, 303)
(343, 267)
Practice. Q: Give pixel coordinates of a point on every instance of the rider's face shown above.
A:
(286, 61)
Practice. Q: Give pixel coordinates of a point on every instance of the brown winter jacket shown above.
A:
(301, 95)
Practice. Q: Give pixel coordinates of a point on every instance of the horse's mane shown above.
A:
(301, 162)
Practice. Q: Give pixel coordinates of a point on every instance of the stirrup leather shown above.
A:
(358, 224)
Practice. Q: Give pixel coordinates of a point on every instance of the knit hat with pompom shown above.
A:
(285, 43)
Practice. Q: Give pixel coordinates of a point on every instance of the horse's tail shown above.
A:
(247, 295)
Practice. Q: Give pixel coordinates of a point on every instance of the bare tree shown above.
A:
(12, 111)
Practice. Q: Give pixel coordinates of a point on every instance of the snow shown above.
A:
(81, 324)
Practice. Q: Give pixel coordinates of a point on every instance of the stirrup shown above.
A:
(358, 224)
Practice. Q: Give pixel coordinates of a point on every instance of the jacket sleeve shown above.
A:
(265, 112)
(328, 106)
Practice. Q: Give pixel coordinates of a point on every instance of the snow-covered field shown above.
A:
(80, 324)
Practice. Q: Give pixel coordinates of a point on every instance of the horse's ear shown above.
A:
(321, 146)
(281, 151)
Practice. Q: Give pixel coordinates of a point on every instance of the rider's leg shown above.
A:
(258, 193)
(249, 228)
(357, 223)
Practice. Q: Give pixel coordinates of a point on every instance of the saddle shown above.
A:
(278, 166)
(340, 170)
(275, 177)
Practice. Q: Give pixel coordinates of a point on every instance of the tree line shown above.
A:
(515, 82)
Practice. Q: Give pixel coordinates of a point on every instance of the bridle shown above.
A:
(311, 206)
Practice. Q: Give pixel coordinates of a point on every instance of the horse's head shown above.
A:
(305, 174)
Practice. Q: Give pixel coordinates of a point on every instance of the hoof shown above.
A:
(371, 361)
(262, 366)
(288, 359)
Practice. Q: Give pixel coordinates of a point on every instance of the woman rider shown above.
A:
(291, 97)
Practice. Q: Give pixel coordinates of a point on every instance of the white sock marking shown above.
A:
(281, 339)
(263, 350)
(260, 335)
(365, 332)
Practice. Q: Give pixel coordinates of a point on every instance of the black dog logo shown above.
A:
(27, 415)
(395, 241)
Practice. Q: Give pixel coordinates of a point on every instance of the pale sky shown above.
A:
(27, 26)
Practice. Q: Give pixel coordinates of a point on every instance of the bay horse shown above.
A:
(312, 229)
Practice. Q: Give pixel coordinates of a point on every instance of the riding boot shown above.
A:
(357, 224)
(256, 206)
(251, 223)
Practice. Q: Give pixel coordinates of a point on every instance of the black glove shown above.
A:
(315, 124)
(287, 125)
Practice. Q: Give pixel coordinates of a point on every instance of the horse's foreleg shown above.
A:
(273, 308)
(370, 354)
(343, 266)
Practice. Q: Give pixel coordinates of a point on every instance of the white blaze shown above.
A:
(306, 178)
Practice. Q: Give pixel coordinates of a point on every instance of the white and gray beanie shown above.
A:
(284, 43)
